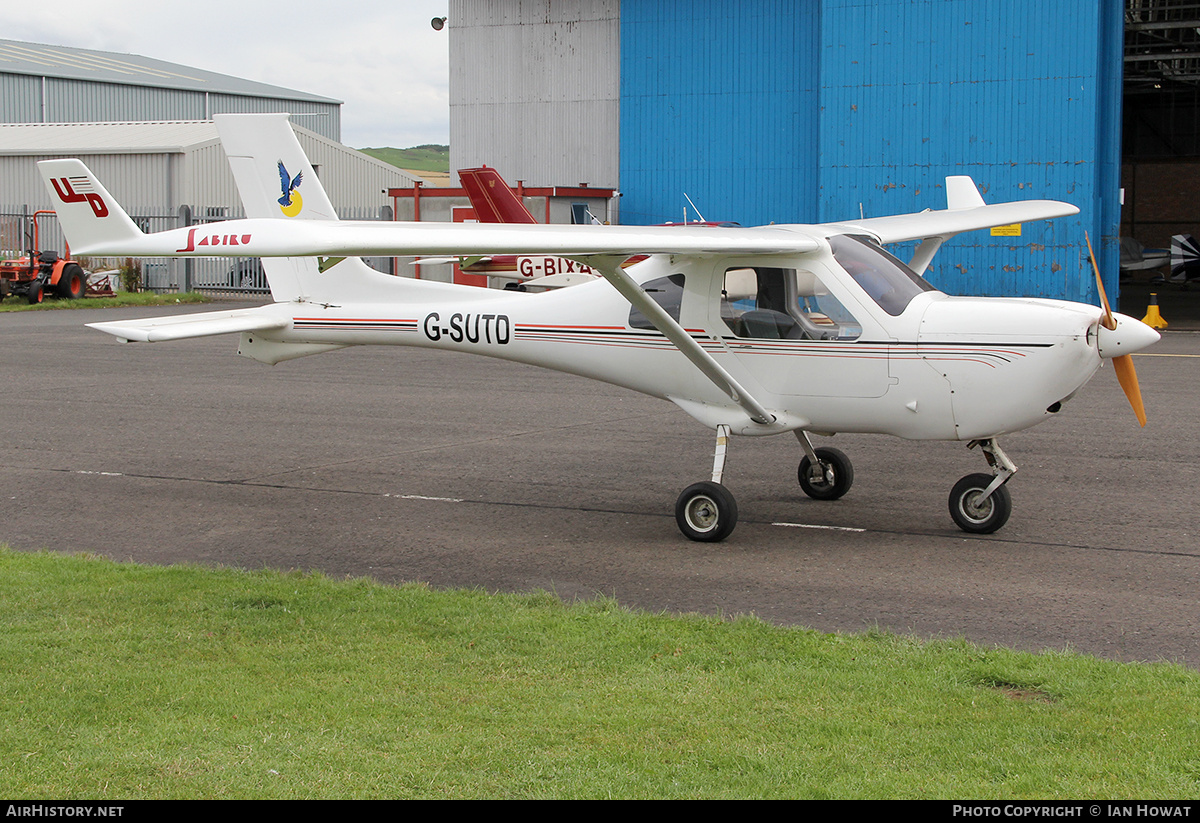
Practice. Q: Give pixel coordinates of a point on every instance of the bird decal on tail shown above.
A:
(291, 202)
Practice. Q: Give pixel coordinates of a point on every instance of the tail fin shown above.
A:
(492, 199)
(272, 172)
(88, 214)
(275, 179)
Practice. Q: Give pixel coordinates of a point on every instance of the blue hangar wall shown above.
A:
(805, 111)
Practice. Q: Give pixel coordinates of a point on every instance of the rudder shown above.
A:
(492, 199)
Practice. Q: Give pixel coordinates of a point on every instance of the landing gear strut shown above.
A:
(980, 503)
(706, 511)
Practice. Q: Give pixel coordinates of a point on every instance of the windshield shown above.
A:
(890, 283)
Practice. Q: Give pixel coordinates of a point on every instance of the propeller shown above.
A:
(1125, 336)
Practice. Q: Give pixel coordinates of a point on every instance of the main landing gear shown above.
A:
(979, 503)
(707, 512)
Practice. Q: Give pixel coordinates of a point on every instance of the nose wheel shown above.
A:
(975, 513)
(980, 503)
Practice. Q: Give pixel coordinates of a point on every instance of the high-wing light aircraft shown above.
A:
(808, 329)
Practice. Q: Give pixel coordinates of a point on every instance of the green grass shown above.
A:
(129, 681)
(418, 158)
(121, 298)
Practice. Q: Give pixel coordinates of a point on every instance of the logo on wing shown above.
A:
(291, 202)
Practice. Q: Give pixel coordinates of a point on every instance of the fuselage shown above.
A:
(838, 352)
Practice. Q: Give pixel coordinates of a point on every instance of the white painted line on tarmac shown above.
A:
(814, 526)
(423, 497)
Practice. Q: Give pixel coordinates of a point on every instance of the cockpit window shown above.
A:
(889, 282)
(666, 292)
(783, 304)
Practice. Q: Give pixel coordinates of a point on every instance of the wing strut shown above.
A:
(610, 267)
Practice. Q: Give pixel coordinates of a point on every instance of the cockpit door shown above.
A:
(800, 334)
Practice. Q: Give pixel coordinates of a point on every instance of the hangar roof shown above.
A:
(105, 138)
(17, 57)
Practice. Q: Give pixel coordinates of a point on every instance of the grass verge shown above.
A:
(127, 681)
(122, 298)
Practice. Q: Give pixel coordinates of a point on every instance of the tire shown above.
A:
(35, 293)
(816, 484)
(706, 512)
(72, 283)
(972, 517)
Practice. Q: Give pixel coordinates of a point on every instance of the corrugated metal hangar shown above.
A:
(811, 111)
(145, 127)
(57, 84)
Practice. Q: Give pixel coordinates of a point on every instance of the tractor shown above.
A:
(41, 273)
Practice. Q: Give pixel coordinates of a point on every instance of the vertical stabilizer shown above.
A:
(962, 193)
(275, 179)
(492, 199)
(272, 171)
(88, 214)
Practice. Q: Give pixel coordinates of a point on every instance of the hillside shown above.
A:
(418, 158)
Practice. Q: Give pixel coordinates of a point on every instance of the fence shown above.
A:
(228, 275)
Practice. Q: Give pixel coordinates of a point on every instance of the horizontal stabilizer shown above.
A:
(183, 326)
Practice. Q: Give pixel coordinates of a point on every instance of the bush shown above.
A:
(131, 275)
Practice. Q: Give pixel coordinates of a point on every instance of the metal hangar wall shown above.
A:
(59, 84)
(819, 110)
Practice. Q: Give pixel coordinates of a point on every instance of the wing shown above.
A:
(947, 223)
(181, 327)
(116, 235)
(265, 237)
(965, 211)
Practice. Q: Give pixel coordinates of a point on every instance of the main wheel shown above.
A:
(975, 515)
(35, 293)
(830, 479)
(72, 283)
(706, 512)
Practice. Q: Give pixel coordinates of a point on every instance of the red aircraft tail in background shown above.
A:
(492, 199)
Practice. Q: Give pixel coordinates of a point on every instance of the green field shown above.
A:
(418, 158)
(126, 681)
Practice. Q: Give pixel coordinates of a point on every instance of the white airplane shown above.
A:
(808, 329)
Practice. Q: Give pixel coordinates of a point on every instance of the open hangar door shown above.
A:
(1160, 157)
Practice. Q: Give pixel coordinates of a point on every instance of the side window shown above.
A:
(783, 304)
(666, 292)
(822, 315)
